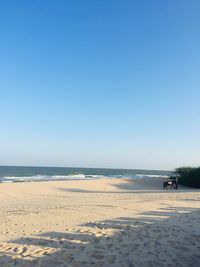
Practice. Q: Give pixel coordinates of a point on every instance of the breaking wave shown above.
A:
(76, 176)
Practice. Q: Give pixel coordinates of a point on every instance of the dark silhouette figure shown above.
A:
(174, 184)
(170, 185)
(167, 185)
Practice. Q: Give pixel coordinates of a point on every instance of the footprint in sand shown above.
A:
(109, 245)
(111, 258)
(98, 256)
(20, 251)
(44, 251)
(5, 247)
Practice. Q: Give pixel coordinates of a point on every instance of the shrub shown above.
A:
(189, 176)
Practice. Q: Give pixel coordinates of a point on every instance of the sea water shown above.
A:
(27, 174)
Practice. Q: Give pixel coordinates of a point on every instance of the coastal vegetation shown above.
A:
(189, 176)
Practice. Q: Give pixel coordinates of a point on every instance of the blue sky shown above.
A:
(100, 83)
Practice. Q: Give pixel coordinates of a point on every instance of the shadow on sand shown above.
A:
(134, 187)
(168, 237)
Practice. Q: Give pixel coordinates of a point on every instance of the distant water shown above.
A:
(27, 174)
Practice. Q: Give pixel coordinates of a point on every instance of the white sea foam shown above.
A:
(76, 176)
(24, 178)
(7, 179)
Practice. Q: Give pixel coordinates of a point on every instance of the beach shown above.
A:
(99, 222)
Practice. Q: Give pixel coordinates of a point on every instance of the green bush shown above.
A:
(189, 176)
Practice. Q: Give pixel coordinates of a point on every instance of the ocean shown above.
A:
(28, 174)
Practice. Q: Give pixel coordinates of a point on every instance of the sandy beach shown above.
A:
(105, 222)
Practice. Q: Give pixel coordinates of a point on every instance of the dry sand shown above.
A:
(116, 222)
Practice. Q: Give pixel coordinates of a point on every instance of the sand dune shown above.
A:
(115, 222)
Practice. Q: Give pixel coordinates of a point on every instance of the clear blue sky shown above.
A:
(100, 83)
